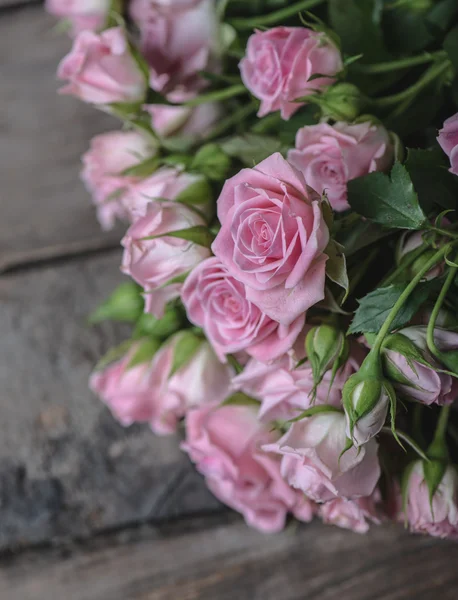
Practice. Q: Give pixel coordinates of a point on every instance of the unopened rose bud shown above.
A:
(366, 404)
(326, 348)
(411, 242)
(342, 102)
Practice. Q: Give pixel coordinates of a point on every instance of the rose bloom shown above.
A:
(312, 459)
(273, 237)
(100, 69)
(183, 120)
(448, 140)
(155, 263)
(330, 155)
(354, 514)
(177, 44)
(82, 14)
(279, 65)
(109, 155)
(218, 303)
(439, 519)
(225, 443)
(285, 391)
(165, 183)
(149, 393)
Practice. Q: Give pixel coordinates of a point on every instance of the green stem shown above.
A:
(276, 16)
(236, 117)
(385, 329)
(402, 63)
(445, 232)
(267, 123)
(230, 92)
(429, 76)
(435, 312)
(442, 422)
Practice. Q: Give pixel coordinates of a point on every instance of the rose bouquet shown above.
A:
(288, 180)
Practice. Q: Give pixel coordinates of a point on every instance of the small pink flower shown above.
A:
(178, 39)
(439, 518)
(82, 14)
(279, 65)
(330, 155)
(448, 140)
(155, 263)
(149, 393)
(109, 155)
(354, 514)
(219, 304)
(272, 238)
(312, 459)
(225, 443)
(101, 69)
(183, 120)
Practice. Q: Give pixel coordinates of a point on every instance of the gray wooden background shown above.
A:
(89, 510)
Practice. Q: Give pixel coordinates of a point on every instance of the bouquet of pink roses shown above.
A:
(293, 245)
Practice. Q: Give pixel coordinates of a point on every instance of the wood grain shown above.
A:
(44, 206)
(210, 559)
(66, 467)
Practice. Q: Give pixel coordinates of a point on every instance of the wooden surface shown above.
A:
(89, 510)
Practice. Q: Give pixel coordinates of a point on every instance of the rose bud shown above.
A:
(314, 461)
(149, 385)
(341, 102)
(81, 14)
(437, 513)
(411, 242)
(109, 155)
(158, 264)
(101, 69)
(281, 63)
(225, 443)
(331, 155)
(414, 372)
(448, 141)
(184, 121)
(445, 345)
(327, 348)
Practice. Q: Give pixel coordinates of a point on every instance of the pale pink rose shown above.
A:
(439, 518)
(177, 44)
(101, 69)
(330, 155)
(148, 392)
(284, 390)
(312, 459)
(166, 183)
(448, 140)
(183, 120)
(108, 156)
(354, 514)
(225, 443)
(82, 14)
(272, 238)
(155, 263)
(280, 63)
(218, 303)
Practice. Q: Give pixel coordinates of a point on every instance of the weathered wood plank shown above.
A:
(66, 467)
(44, 205)
(210, 559)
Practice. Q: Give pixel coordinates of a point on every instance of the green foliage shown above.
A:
(124, 304)
(186, 346)
(241, 399)
(212, 162)
(252, 148)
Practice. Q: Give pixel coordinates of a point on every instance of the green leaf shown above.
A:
(187, 345)
(196, 194)
(234, 363)
(374, 308)
(442, 16)
(358, 234)
(251, 148)
(387, 200)
(434, 471)
(199, 234)
(315, 410)
(451, 46)
(240, 399)
(433, 182)
(143, 169)
(336, 266)
(171, 322)
(124, 304)
(212, 162)
(145, 351)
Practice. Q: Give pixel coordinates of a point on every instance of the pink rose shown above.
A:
(156, 263)
(82, 14)
(148, 392)
(272, 238)
(330, 155)
(177, 44)
(448, 140)
(182, 120)
(225, 443)
(101, 69)
(354, 514)
(285, 391)
(109, 155)
(165, 183)
(439, 518)
(312, 459)
(279, 65)
(218, 303)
